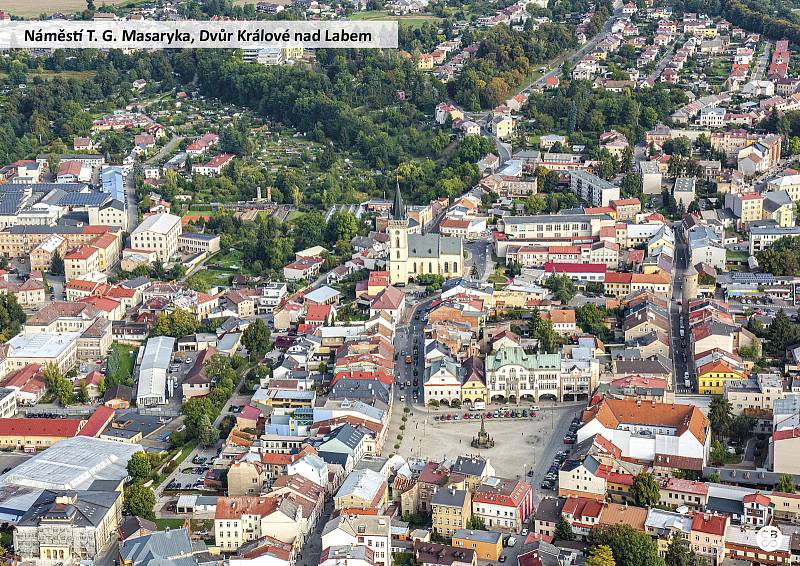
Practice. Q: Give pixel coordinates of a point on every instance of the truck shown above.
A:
(478, 406)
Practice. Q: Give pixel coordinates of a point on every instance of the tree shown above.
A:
(139, 467)
(645, 491)
(720, 415)
(475, 523)
(11, 316)
(177, 324)
(564, 530)
(629, 546)
(83, 392)
(679, 553)
(256, 338)
(591, 319)
(60, 386)
(207, 435)
(57, 264)
(601, 555)
(786, 483)
(139, 501)
(562, 287)
(741, 427)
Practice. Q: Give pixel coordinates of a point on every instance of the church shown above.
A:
(412, 255)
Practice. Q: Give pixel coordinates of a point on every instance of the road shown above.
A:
(131, 204)
(583, 50)
(168, 148)
(662, 63)
(760, 68)
(481, 256)
(681, 351)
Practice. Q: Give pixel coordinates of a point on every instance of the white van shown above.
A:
(511, 542)
(478, 406)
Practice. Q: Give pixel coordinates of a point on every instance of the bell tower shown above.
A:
(398, 240)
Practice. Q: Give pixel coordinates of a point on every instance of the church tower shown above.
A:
(398, 240)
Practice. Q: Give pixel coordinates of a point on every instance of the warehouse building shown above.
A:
(153, 371)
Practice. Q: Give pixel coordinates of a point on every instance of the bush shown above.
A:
(404, 418)
(399, 437)
(397, 447)
(402, 427)
(406, 410)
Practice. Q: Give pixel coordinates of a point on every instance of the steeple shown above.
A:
(398, 208)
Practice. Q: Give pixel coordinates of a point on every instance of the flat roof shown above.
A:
(48, 345)
(73, 463)
(161, 223)
(155, 363)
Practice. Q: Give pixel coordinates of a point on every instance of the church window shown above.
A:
(415, 266)
(446, 267)
(398, 254)
(430, 267)
(455, 267)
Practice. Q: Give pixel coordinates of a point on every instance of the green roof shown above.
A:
(515, 355)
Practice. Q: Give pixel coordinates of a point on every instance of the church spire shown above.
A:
(398, 208)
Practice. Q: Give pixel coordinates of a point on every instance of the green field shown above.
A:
(414, 21)
(125, 358)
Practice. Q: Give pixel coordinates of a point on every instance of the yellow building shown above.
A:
(294, 52)
(778, 206)
(450, 510)
(487, 544)
(81, 261)
(473, 388)
(711, 377)
(363, 489)
(425, 62)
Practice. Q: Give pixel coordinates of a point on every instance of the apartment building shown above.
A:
(159, 233)
(592, 189)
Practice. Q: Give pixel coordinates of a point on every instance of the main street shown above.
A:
(680, 346)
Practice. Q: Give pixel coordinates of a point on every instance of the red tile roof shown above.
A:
(64, 428)
(711, 524)
(101, 416)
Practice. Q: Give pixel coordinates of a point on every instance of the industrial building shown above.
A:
(153, 371)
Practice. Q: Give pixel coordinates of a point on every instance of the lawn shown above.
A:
(163, 524)
(414, 21)
(205, 279)
(33, 8)
(126, 358)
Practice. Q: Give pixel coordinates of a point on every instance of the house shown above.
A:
(487, 544)
(433, 554)
(372, 531)
(450, 510)
(214, 166)
(363, 489)
(503, 504)
(707, 537)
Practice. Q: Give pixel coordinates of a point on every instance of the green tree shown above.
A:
(679, 553)
(591, 319)
(207, 435)
(645, 491)
(57, 264)
(256, 338)
(475, 523)
(741, 427)
(562, 287)
(139, 501)
(83, 392)
(601, 555)
(564, 530)
(629, 546)
(12, 317)
(786, 483)
(720, 415)
(60, 386)
(177, 324)
(139, 467)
